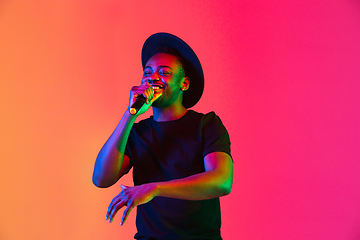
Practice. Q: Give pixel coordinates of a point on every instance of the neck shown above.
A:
(169, 114)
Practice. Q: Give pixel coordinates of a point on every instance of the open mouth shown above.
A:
(155, 87)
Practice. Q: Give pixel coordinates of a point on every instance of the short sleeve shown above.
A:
(214, 135)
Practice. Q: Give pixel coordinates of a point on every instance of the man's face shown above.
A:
(165, 75)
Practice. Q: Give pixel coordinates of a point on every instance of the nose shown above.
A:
(152, 80)
(154, 76)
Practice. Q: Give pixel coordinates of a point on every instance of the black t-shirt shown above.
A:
(163, 151)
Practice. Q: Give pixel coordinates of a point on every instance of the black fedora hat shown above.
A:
(193, 71)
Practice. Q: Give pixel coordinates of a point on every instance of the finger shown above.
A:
(156, 96)
(112, 204)
(123, 186)
(109, 209)
(144, 89)
(116, 209)
(149, 93)
(126, 213)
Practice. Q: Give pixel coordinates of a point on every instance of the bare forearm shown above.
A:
(110, 158)
(200, 186)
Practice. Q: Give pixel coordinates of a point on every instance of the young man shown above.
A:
(180, 158)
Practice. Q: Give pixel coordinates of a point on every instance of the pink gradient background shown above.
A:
(284, 76)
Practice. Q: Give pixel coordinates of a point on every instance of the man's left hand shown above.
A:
(131, 197)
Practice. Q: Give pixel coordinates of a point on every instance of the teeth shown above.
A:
(153, 87)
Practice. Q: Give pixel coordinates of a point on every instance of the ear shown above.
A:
(185, 84)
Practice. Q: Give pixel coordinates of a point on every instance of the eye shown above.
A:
(147, 72)
(164, 72)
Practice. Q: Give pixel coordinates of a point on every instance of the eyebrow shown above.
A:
(163, 66)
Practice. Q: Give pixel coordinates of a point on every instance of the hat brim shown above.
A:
(194, 69)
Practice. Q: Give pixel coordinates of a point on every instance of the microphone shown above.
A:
(139, 102)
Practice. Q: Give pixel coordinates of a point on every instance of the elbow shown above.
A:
(100, 182)
(222, 185)
(226, 189)
(104, 178)
(97, 183)
(226, 186)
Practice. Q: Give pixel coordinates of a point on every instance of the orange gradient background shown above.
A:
(283, 76)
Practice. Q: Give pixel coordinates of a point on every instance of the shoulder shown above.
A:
(214, 134)
(203, 116)
(211, 115)
(207, 119)
(211, 119)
